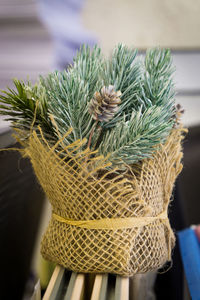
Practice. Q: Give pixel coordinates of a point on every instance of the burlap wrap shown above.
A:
(104, 221)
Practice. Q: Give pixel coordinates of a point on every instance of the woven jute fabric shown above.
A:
(105, 220)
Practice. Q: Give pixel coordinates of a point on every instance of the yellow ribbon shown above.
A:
(112, 223)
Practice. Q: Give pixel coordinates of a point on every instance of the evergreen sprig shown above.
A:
(158, 86)
(70, 91)
(134, 139)
(143, 119)
(124, 71)
(24, 103)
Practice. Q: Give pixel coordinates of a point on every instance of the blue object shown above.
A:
(190, 253)
(63, 20)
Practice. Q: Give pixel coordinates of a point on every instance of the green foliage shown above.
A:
(145, 115)
(124, 71)
(134, 139)
(21, 104)
(70, 91)
(158, 87)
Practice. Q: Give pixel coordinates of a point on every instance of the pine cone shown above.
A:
(178, 114)
(104, 104)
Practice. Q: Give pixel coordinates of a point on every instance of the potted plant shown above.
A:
(104, 139)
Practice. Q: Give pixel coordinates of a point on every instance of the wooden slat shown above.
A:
(55, 284)
(37, 292)
(70, 287)
(76, 287)
(100, 287)
(97, 287)
(122, 288)
(104, 287)
(75, 290)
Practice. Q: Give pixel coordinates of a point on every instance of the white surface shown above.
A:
(3, 124)
(142, 23)
(191, 105)
(187, 76)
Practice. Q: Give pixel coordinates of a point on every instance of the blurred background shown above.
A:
(37, 37)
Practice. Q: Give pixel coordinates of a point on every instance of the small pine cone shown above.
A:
(178, 114)
(104, 104)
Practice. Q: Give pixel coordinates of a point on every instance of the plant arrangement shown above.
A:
(124, 106)
(105, 142)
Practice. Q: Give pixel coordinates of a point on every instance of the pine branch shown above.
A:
(125, 73)
(158, 86)
(88, 67)
(133, 140)
(68, 105)
(142, 120)
(22, 103)
(69, 93)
